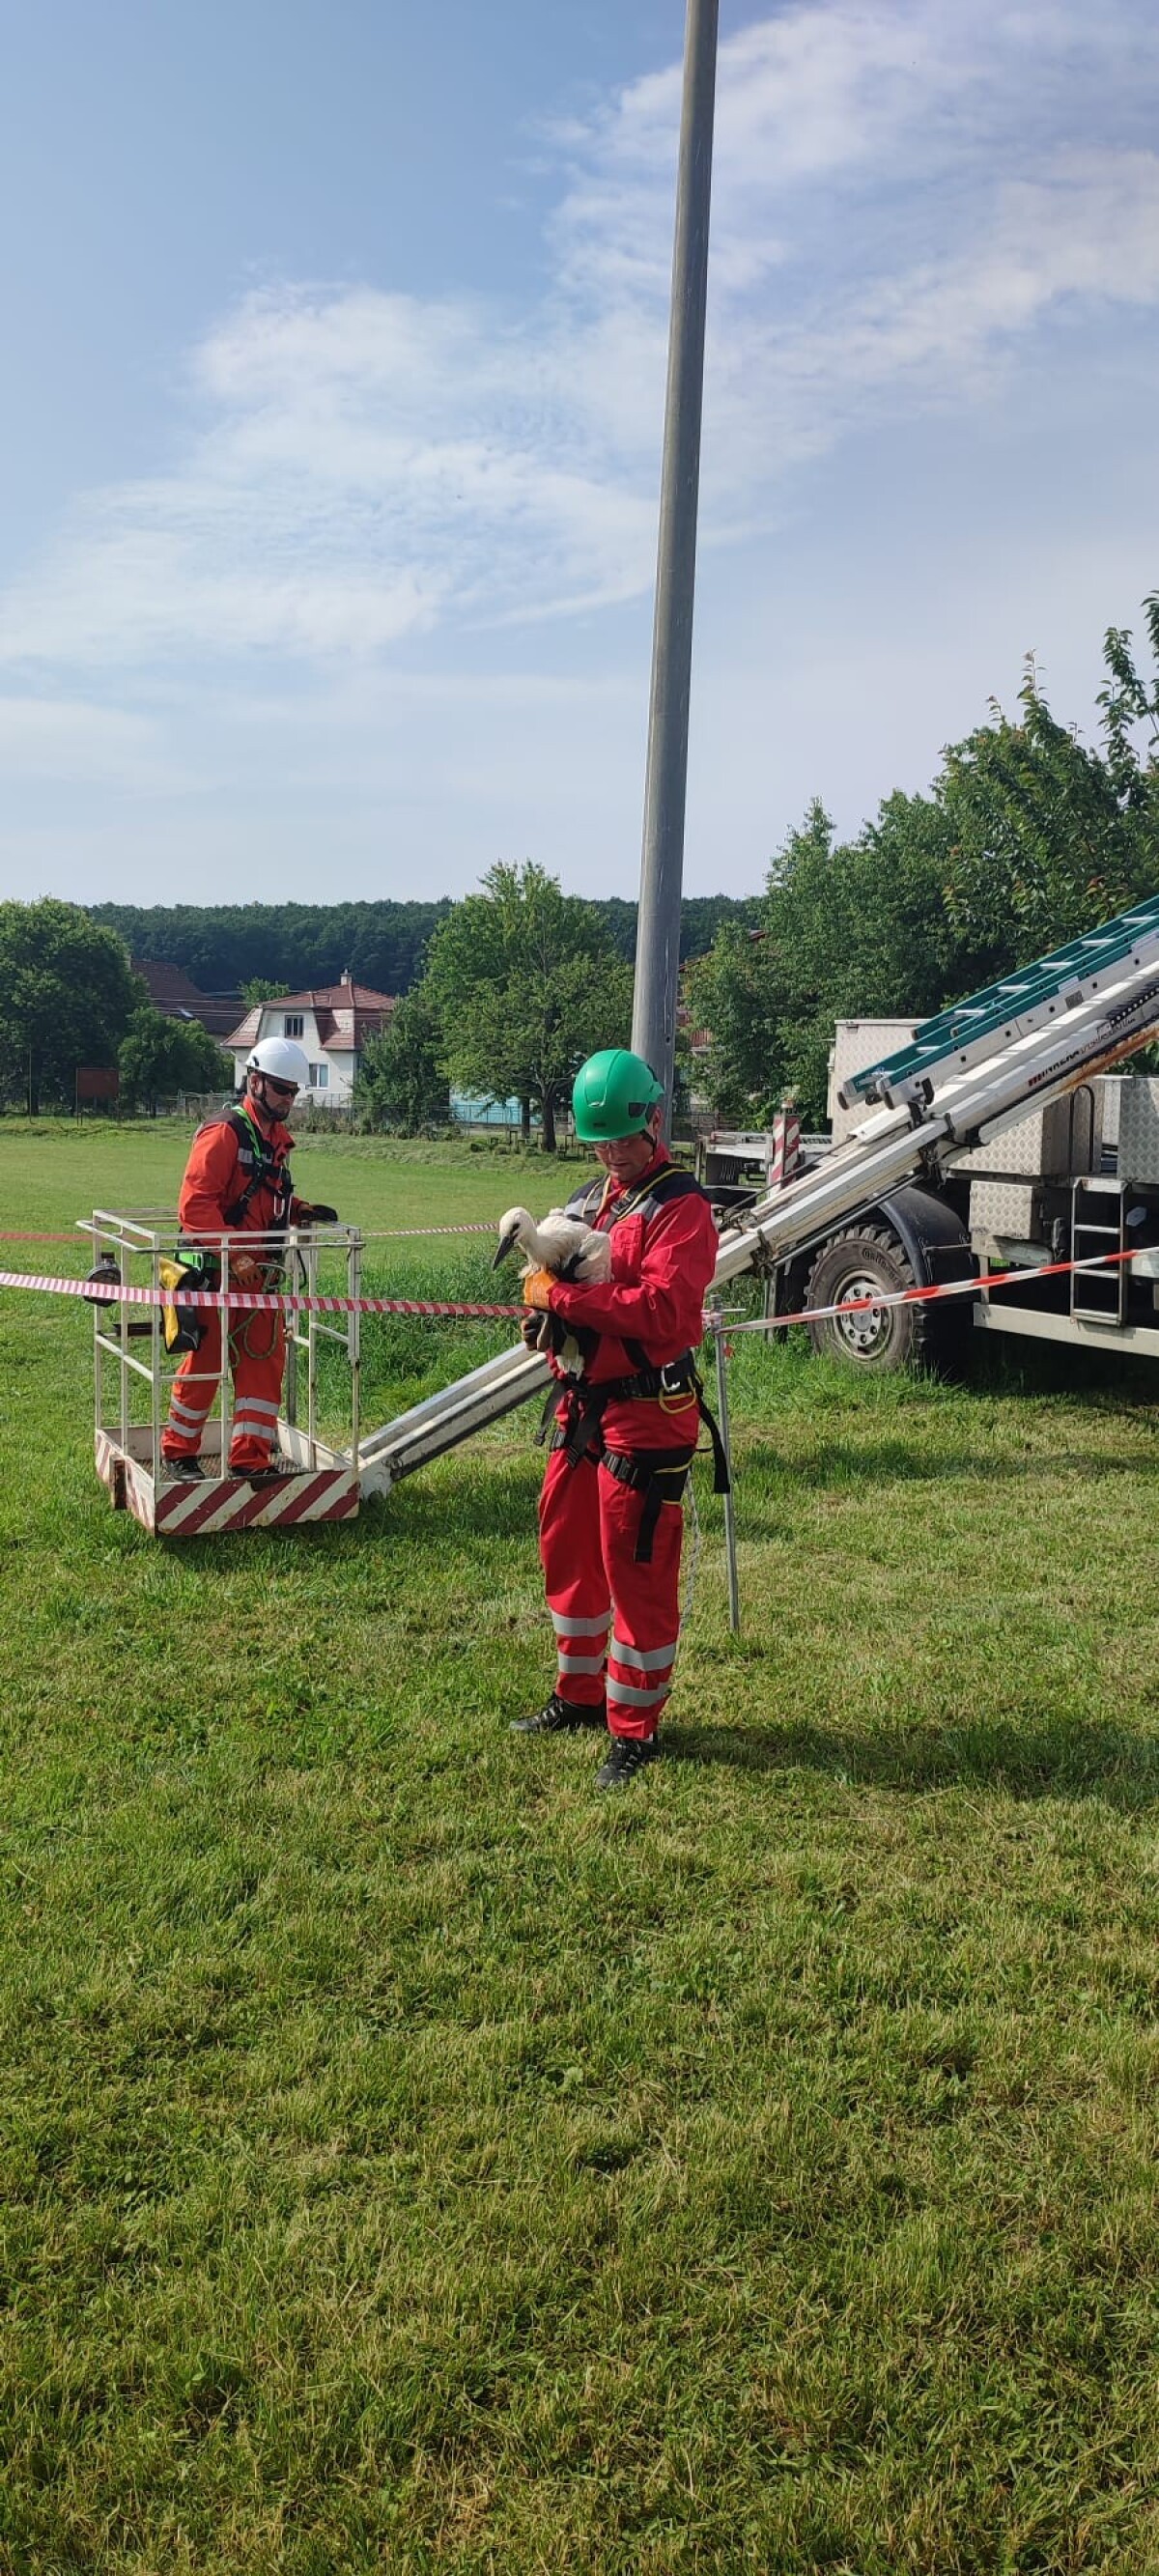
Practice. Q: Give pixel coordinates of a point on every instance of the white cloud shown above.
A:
(69, 740)
(1081, 236)
(899, 210)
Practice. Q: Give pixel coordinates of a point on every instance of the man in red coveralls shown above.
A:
(610, 1514)
(237, 1182)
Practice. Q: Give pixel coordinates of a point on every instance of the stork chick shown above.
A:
(571, 1250)
(562, 1244)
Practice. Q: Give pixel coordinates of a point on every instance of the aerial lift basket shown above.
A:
(134, 1369)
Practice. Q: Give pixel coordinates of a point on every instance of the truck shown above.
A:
(1072, 1180)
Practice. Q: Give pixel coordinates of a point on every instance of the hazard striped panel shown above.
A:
(204, 1510)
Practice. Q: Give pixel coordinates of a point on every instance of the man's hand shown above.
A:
(537, 1288)
(246, 1273)
(312, 1212)
(546, 1333)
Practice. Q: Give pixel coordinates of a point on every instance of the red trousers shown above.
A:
(257, 1354)
(616, 1623)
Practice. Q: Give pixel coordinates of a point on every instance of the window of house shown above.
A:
(293, 1024)
(319, 1077)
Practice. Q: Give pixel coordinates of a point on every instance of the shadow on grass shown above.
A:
(1051, 1759)
(414, 1514)
(499, 1502)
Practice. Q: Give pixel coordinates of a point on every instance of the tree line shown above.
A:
(289, 947)
(69, 997)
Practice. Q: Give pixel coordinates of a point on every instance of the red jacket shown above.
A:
(216, 1177)
(662, 1265)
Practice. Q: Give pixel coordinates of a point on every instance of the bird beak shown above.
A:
(507, 1246)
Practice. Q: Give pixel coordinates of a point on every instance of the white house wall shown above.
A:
(341, 1062)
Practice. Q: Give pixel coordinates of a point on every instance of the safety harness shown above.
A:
(659, 1474)
(195, 1265)
(262, 1168)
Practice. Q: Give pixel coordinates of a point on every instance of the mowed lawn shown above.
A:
(412, 2161)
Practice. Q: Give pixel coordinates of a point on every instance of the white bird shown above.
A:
(562, 1244)
(568, 1248)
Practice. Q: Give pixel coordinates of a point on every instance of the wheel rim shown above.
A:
(866, 1334)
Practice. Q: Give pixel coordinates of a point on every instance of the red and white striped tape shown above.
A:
(972, 1287)
(100, 1292)
(107, 1293)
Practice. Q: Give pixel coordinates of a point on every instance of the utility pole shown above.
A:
(662, 864)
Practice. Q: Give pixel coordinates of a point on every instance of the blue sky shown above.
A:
(334, 347)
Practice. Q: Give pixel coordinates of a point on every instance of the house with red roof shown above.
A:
(173, 994)
(331, 1022)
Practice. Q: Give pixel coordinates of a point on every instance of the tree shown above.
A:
(1049, 836)
(525, 982)
(261, 988)
(734, 993)
(66, 994)
(159, 1057)
(402, 1080)
(1027, 838)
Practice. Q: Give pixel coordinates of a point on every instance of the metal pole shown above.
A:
(662, 863)
(716, 1320)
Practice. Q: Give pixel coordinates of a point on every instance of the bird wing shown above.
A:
(593, 1262)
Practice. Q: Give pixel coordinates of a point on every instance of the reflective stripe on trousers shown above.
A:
(588, 1525)
(639, 1677)
(257, 1395)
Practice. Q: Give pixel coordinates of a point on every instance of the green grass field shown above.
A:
(411, 2161)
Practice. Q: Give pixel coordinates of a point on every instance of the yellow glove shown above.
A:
(537, 1288)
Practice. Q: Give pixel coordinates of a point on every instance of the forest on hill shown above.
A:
(224, 946)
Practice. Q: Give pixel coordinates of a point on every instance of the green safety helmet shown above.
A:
(614, 1095)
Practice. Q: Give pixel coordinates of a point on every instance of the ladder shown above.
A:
(967, 1074)
(1017, 1004)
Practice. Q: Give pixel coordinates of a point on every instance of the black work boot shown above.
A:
(629, 1754)
(189, 1467)
(559, 1717)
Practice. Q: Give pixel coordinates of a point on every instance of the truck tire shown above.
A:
(854, 1264)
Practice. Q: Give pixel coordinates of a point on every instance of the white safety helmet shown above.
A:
(282, 1060)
